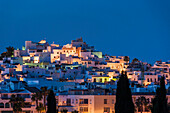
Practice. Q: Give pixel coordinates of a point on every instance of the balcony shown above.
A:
(83, 104)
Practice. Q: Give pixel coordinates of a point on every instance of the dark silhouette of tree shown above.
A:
(17, 103)
(135, 60)
(8, 53)
(124, 103)
(126, 59)
(160, 100)
(75, 111)
(64, 111)
(142, 104)
(36, 97)
(44, 93)
(40, 107)
(51, 102)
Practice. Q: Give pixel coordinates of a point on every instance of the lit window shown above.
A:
(85, 109)
(81, 109)
(101, 80)
(80, 101)
(107, 109)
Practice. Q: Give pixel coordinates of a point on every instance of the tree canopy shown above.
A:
(124, 103)
(160, 100)
(51, 102)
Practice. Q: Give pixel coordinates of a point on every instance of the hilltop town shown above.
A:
(82, 77)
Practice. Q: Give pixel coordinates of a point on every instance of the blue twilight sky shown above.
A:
(137, 28)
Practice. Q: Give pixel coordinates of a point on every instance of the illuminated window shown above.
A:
(83, 101)
(100, 79)
(85, 109)
(80, 101)
(107, 109)
(81, 109)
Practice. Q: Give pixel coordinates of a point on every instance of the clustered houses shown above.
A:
(82, 78)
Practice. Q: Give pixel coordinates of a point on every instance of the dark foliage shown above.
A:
(124, 103)
(51, 102)
(8, 53)
(160, 100)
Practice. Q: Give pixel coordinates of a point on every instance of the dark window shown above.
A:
(105, 101)
(85, 101)
(1, 105)
(68, 102)
(6, 105)
(94, 79)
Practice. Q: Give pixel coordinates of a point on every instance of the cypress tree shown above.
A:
(124, 103)
(51, 102)
(160, 100)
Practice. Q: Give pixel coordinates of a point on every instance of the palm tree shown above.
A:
(17, 103)
(40, 107)
(10, 51)
(142, 104)
(36, 97)
(44, 93)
